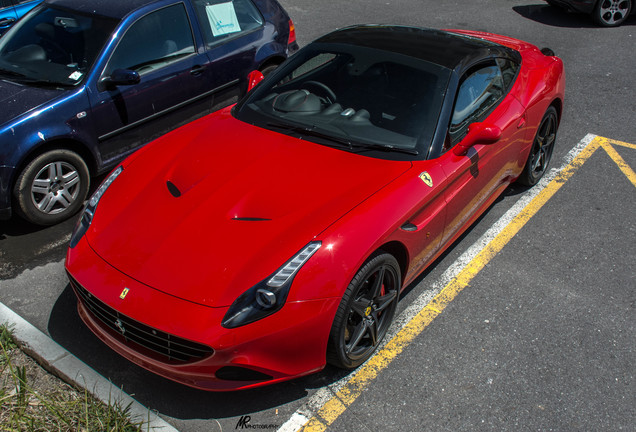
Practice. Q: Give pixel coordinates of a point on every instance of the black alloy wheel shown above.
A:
(542, 148)
(365, 312)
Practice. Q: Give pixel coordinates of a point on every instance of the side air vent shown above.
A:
(173, 189)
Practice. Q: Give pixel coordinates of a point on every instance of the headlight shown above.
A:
(269, 295)
(91, 205)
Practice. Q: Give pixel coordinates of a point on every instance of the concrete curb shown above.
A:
(65, 365)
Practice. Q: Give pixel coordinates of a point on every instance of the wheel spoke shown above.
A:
(357, 336)
(51, 172)
(378, 283)
(40, 186)
(65, 198)
(373, 331)
(359, 307)
(71, 179)
(550, 140)
(47, 203)
(59, 172)
(385, 301)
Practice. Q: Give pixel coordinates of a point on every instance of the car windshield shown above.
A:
(53, 47)
(360, 97)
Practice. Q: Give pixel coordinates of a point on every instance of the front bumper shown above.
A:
(285, 345)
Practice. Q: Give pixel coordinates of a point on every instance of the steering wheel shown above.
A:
(55, 51)
(331, 96)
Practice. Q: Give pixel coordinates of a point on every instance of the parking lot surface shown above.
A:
(542, 337)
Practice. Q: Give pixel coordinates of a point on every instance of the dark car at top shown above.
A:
(11, 10)
(606, 13)
(84, 84)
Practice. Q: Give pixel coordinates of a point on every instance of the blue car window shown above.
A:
(153, 41)
(222, 20)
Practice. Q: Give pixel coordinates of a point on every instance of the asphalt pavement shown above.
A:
(542, 338)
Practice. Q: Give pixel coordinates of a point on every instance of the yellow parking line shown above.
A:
(611, 151)
(334, 407)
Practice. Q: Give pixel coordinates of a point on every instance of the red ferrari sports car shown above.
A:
(263, 241)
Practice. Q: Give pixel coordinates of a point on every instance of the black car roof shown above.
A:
(109, 8)
(450, 50)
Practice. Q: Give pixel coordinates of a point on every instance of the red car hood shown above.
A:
(249, 200)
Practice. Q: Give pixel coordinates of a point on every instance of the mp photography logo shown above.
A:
(245, 422)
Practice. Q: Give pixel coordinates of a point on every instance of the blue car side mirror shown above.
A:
(122, 77)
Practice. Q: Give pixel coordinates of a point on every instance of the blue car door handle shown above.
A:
(197, 70)
(6, 21)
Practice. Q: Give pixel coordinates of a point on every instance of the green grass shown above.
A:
(33, 400)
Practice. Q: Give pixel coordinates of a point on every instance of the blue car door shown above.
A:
(232, 32)
(174, 86)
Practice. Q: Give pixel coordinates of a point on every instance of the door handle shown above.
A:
(522, 122)
(7, 21)
(197, 70)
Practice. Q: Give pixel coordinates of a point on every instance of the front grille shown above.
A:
(171, 348)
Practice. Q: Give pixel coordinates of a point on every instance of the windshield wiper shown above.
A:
(385, 147)
(311, 131)
(8, 72)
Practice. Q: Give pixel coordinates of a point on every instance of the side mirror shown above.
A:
(478, 133)
(253, 78)
(122, 77)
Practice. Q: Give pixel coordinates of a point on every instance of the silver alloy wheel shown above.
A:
(55, 187)
(613, 12)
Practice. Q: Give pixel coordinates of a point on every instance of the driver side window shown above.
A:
(154, 41)
(480, 91)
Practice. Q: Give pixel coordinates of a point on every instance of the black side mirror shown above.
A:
(122, 77)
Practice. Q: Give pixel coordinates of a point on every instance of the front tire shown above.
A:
(612, 13)
(542, 148)
(365, 312)
(52, 187)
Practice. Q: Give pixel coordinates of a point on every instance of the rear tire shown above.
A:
(52, 187)
(542, 148)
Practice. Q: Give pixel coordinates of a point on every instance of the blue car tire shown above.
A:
(52, 187)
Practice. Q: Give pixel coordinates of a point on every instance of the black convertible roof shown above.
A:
(450, 50)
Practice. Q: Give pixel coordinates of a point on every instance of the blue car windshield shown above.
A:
(359, 96)
(53, 47)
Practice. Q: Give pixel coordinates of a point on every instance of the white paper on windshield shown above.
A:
(222, 18)
(75, 76)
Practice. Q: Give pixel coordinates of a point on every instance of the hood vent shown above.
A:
(250, 219)
(173, 189)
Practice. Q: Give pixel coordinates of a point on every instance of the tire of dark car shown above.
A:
(611, 13)
(365, 312)
(52, 187)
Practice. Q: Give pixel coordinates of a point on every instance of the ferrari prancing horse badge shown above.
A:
(426, 178)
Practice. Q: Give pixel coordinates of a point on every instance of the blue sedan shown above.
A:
(84, 84)
(11, 10)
